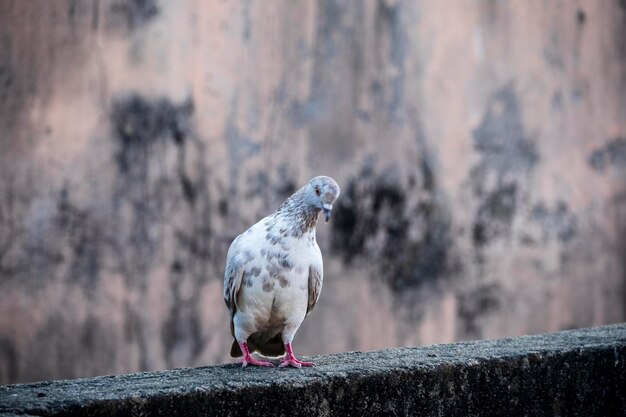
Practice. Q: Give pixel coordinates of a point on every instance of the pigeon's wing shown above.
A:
(232, 283)
(315, 287)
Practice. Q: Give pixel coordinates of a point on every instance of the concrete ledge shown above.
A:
(571, 373)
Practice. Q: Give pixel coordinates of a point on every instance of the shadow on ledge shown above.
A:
(571, 373)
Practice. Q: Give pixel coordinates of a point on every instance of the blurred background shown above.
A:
(480, 146)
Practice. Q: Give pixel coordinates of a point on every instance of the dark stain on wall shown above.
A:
(391, 37)
(557, 222)
(500, 138)
(144, 130)
(613, 154)
(88, 337)
(59, 242)
(619, 202)
(73, 237)
(377, 221)
(285, 188)
(60, 350)
(331, 27)
(507, 156)
(8, 364)
(133, 14)
(240, 147)
(24, 252)
(149, 132)
(181, 333)
(581, 17)
(495, 215)
(475, 304)
(6, 72)
(139, 122)
(620, 38)
(85, 238)
(12, 262)
(326, 52)
(553, 55)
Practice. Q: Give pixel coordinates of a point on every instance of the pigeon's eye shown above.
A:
(317, 190)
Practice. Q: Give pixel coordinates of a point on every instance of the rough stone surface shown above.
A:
(572, 373)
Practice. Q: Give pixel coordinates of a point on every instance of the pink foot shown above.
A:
(291, 360)
(252, 361)
(249, 360)
(296, 363)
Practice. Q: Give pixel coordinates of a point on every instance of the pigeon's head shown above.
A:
(321, 193)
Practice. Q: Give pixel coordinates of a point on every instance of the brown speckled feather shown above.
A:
(315, 287)
(234, 275)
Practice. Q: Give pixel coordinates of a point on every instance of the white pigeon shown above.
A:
(274, 275)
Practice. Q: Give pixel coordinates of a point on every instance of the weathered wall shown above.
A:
(572, 373)
(480, 146)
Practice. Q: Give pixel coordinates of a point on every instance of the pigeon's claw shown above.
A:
(296, 363)
(291, 360)
(249, 360)
(287, 362)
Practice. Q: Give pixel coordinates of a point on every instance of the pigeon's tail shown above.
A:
(273, 348)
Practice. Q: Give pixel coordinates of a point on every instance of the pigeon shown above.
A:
(273, 275)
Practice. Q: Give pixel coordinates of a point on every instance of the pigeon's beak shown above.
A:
(327, 208)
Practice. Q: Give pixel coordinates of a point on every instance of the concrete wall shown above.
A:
(481, 148)
(573, 373)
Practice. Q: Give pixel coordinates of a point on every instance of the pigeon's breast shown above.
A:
(275, 282)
